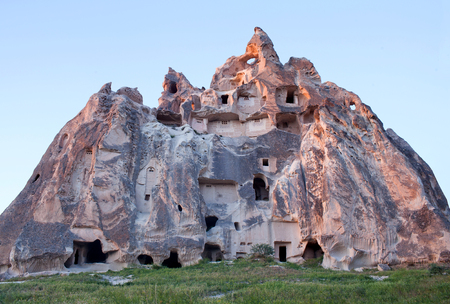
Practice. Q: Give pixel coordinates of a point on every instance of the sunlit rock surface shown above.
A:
(267, 154)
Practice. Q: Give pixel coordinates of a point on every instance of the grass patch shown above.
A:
(242, 281)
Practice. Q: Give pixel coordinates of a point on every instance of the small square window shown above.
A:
(224, 122)
(265, 162)
(147, 197)
(208, 186)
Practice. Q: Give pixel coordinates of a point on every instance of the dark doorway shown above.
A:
(237, 226)
(282, 253)
(312, 250)
(86, 252)
(173, 87)
(210, 222)
(212, 252)
(261, 193)
(95, 253)
(145, 259)
(224, 99)
(172, 261)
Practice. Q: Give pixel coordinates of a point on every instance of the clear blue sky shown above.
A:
(54, 55)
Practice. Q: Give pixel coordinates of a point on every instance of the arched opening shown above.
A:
(212, 252)
(173, 87)
(312, 250)
(352, 107)
(251, 61)
(172, 261)
(145, 259)
(261, 191)
(210, 222)
(86, 252)
(95, 253)
(237, 226)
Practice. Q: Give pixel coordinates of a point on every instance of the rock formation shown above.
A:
(267, 154)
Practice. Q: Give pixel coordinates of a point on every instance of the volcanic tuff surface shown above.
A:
(267, 154)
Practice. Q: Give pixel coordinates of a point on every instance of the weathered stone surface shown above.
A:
(383, 267)
(267, 154)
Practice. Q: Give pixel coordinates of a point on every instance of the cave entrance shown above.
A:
(172, 261)
(290, 96)
(86, 253)
(145, 259)
(261, 191)
(173, 87)
(94, 253)
(224, 99)
(212, 252)
(282, 253)
(312, 250)
(210, 222)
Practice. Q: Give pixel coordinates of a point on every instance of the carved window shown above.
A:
(224, 99)
(224, 122)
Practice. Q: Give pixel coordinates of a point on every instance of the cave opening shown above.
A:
(210, 222)
(145, 259)
(282, 253)
(172, 261)
(212, 252)
(237, 226)
(86, 252)
(312, 250)
(224, 99)
(94, 253)
(290, 97)
(173, 87)
(261, 191)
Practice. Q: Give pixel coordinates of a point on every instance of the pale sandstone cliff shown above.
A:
(268, 154)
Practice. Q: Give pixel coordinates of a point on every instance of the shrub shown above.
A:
(262, 250)
(435, 269)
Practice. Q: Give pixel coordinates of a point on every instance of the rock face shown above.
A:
(267, 154)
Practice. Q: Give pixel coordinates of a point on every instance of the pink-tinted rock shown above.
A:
(267, 154)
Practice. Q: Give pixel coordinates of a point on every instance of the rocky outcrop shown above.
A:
(267, 154)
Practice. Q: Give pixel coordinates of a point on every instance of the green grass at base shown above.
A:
(243, 281)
